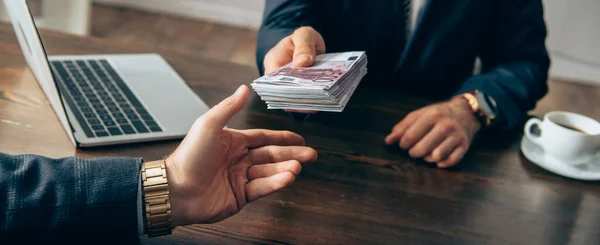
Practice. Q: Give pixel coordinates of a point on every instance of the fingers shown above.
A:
(454, 158)
(279, 55)
(307, 44)
(268, 178)
(266, 170)
(432, 140)
(261, 187)
(272, 153)
(442, 151)
(261, 137)
(302, 46)
(399, 129)
(415, 132)
(440, 133)
(219, 115)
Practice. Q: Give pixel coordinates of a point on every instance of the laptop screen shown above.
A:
(35, 55)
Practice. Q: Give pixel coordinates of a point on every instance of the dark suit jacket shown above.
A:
(507, 35)
(69, 200)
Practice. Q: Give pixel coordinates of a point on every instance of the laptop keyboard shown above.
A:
(101, 102)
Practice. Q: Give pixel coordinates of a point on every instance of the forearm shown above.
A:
(70, 198)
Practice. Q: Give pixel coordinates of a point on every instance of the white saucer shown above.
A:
(586, 171)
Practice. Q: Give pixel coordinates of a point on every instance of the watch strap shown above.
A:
(157, 202)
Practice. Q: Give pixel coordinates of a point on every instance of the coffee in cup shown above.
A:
(571, 128)
(567, 136)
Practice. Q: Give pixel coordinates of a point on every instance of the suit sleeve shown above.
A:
(515, 61)
(69, 199)
(280, 19)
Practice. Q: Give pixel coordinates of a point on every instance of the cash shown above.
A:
(327, 85)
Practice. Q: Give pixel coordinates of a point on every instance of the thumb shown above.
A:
(219, 115)
(307, 43)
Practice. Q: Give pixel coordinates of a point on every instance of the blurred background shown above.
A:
(226, 29)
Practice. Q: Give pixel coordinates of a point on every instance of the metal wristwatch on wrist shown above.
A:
(157, 204)
(484, 107)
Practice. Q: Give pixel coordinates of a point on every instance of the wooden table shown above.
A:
(359, 191)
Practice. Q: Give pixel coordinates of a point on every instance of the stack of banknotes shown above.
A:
(327, 85)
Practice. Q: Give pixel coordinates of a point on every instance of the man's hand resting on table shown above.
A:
(216, 171)
(302, 47)
(440, 133)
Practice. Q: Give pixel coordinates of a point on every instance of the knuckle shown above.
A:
(262, 134)
(286, 136)
(434, 114)
(271, 153)
(200, 123)
(447, 126)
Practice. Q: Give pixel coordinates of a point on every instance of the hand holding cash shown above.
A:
(327, 85)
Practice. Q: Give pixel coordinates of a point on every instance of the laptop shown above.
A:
(108, 99)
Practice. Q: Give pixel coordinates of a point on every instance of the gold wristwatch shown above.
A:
(483, 107)
(156, 198)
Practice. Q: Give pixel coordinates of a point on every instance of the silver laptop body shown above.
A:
(108, 99)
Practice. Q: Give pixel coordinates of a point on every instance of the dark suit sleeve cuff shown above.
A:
(69, 199)
(508, 114)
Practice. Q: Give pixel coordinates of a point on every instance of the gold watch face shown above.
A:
(472, 102)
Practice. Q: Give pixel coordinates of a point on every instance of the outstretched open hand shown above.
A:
(216, 171)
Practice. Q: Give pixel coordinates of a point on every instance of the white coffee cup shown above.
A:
(567, 136)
